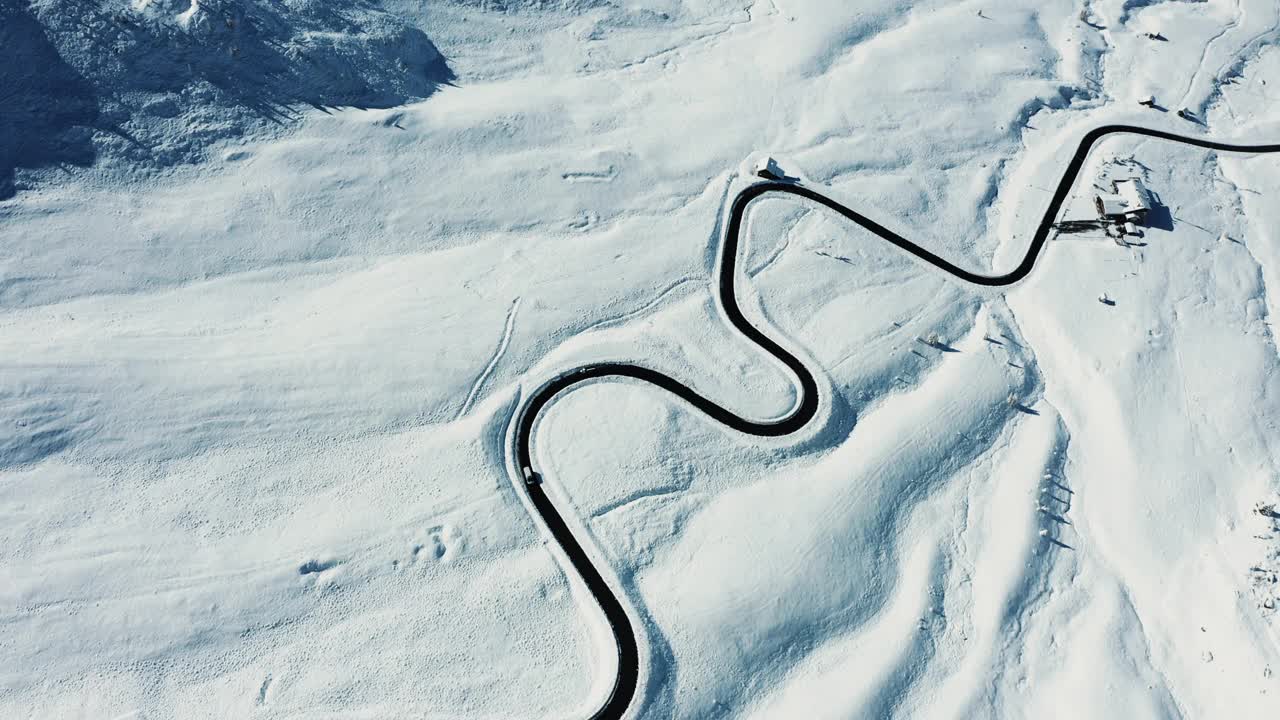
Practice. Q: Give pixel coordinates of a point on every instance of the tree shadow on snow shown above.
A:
(1058, 543)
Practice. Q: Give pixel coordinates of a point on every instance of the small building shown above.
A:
(1110, 206)
(1147, 101)
(767, 167)
(1136, 196)
(1128, 201)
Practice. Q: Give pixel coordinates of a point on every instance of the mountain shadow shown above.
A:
(47, 109)
(158, 82)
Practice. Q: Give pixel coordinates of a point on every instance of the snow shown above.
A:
(276, 276)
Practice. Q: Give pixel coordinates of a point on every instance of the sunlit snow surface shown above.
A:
(258, 359)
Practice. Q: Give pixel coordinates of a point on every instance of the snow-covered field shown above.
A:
(275, 275)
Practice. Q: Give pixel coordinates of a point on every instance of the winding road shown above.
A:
(628, 674)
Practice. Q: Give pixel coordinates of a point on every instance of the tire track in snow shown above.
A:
(576, 558)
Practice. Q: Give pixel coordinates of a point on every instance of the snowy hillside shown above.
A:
(155, 83)
(278, 277)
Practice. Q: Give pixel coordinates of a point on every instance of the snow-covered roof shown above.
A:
(1134, 193)
(1131, 197)
(1111, 205)
(768, 166)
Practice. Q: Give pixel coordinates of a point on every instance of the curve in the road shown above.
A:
(627, 678)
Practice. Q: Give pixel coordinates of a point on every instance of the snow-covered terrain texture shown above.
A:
(132, 85)
(274, 276)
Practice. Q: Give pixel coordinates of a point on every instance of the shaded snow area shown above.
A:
(135, 85)
(276, 274)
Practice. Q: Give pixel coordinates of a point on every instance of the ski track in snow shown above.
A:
(630, 314)
(646, 494)
(501, 350)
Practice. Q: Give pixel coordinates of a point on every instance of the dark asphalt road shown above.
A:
(627, 680)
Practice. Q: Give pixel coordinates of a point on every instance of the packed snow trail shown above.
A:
(627, 678)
